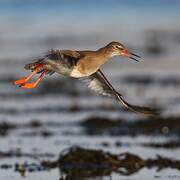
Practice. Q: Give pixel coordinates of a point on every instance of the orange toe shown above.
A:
(24, 84)
(20, 81)
(29, 86)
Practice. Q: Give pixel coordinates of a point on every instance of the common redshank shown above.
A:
(83, 65)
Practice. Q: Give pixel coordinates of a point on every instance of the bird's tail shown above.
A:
(139, 109)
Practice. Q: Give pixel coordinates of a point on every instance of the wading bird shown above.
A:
(83, 65)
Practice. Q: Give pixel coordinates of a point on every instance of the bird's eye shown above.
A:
(119, 47)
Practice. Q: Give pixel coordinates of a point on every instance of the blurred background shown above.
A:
(59, 106)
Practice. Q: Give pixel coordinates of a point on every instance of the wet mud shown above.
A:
(77, 162)
(148, 126)
(40, 128)
(165, 126)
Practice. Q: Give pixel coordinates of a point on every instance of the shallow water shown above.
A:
(38, 125)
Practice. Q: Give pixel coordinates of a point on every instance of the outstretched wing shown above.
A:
(67, 57)
(99, 83)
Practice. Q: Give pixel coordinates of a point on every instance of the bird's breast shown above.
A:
(85, 67)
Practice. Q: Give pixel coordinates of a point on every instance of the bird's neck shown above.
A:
(104, 54)
(93, 60)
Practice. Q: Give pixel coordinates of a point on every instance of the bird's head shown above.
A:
(117, 49)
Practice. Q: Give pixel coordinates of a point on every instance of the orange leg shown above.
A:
(25, 79)
(34, 84)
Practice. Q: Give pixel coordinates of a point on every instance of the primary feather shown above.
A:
(98, 83)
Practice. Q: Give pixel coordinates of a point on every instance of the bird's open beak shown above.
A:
(130, 55)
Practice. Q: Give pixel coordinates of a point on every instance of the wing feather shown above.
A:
(67, 57)
(99, 83)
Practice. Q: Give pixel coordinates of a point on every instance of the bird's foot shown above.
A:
(34, 84)
(20, 81)
(29, 85)
(23, 80)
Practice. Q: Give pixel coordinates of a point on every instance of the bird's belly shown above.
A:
(77, 74)
(63, 70)
(72, 71)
